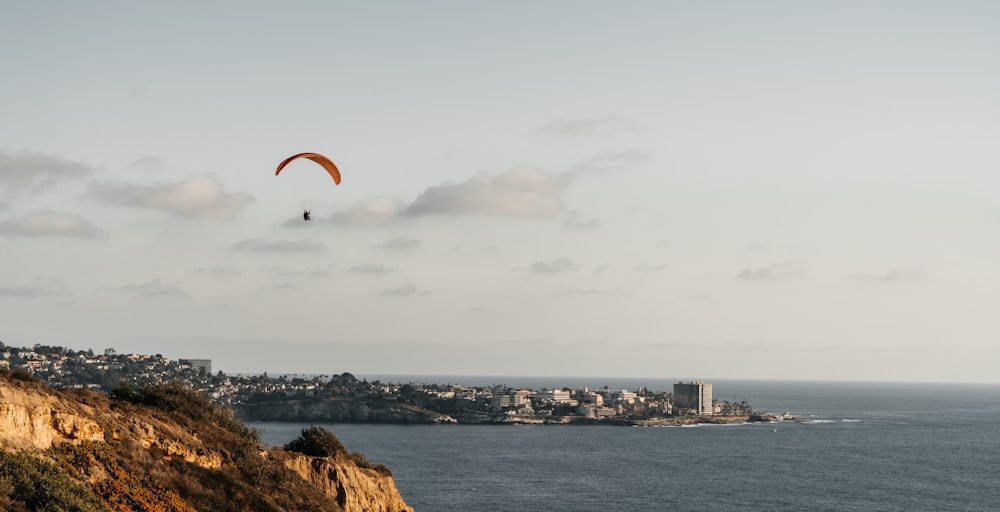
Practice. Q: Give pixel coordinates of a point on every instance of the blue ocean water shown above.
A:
(868, 446)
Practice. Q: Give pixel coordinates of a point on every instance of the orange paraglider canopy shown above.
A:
(315, 157)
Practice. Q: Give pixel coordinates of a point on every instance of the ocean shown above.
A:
(867, 447)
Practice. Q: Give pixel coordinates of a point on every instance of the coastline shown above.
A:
(375, 412)
(668, 421)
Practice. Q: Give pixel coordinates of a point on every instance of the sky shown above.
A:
(733, 190)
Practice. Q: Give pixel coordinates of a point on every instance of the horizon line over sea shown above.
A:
(769, 396)
(488, 380)
(773, 396)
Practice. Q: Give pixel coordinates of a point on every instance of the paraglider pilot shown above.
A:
(305, 215)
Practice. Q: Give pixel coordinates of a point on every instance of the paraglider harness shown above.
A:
(305, 215)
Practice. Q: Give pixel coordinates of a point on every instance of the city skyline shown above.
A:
(726, 191)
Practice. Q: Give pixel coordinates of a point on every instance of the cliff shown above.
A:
(164, 449)
(352, 487)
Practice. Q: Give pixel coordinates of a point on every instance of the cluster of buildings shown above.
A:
(62, 368)
(65, 368)
(688, 398)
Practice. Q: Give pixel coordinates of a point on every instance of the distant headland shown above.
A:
(343, 398)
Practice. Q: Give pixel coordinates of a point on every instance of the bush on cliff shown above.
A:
(25, 379)
(317, 442)
(174, 397)
(362, 462)
(121, 473)
(246, 481)
(30, 483)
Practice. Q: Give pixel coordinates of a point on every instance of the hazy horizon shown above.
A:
(775, 190)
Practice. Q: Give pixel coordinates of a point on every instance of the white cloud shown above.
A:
(37, 287)
(200, 197)
(646, 267)
(34, 172)
(775, 272)
(407, 290)
(148, 163)
(905, 275)
(50, 223)
(521, 191)
(556, 266)
(376, 210)
(309, 273)
(897, 275)
(154, 288)
(290, 246)
(220, 271)
(610, 161)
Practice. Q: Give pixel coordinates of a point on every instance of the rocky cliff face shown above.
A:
(33, 418)
(170, 452)
(353, 488)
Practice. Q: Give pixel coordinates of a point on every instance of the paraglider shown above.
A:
(327, 164)
(315, 157)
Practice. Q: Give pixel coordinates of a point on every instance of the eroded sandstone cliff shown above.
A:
(32, 417)
(353, 488)
(136, 457)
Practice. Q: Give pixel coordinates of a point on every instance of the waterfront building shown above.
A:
(591, 398)
(623, 396)
(693, 398)
(521, 397)
(554, 395)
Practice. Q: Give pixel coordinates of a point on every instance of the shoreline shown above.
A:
(360, 412)
(670, 421)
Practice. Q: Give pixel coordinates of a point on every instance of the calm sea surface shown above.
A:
(870, 447)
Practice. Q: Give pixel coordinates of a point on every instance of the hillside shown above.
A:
(338, 410)
(164, 448)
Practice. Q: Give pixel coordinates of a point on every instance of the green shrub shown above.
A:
(174, 397)
(40, 485)
(362, 462)
(317, 442)
(18, 375)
